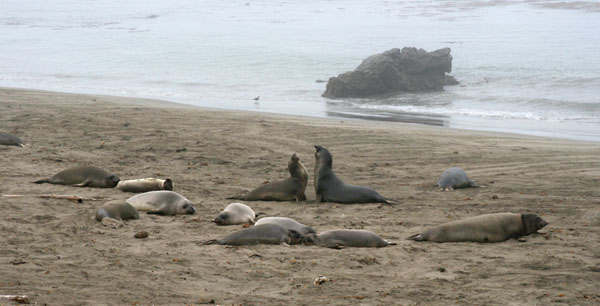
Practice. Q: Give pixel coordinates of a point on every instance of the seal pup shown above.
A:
(83, 176)
(10, 140)
(455, 178)
(338, 239)
(117, 209)
(289, 189)
(162, 202)
(144, 185)
(235, 213)
(288, 223)
(484, 228)
(260, 234)
(329, 188)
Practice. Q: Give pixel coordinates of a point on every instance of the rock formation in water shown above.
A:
(395, 70)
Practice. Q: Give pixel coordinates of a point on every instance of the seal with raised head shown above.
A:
(329, 188)
(144, 185)
(455, 178)
(337, 239)
(287, 223)
(117, 209)
(289, 189)
(83, 176)
(484, 228)
(260, 234)
(235, 213)
(10, 140)
(162, 202)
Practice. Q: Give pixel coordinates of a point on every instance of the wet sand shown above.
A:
(56, 254)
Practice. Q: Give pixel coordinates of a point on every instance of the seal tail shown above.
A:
(212, 241)
(417, 237)
(240, 196)
(41, 181)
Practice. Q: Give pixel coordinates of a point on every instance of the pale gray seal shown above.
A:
(235, 213)
(117, 209)
(287, 223)
(329, 188)
(260, 234)
(162, 202)
(10, 140)
(484, 228)
(455, 178)
(83, 176)
(289, 189)
(337, 239)
(144, 185)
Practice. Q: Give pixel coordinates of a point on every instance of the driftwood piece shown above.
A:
(53, 196)
(21, 299)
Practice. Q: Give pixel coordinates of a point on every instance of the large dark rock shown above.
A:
(395, 70)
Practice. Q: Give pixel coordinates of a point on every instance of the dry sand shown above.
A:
(55, 253)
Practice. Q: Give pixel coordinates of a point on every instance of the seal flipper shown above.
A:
(156, 212)
(417, 237)
(241, 196)
(212, 241)
(85, 183)
(46, 180)
(332, 244)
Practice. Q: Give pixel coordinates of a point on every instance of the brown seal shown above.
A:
(83, 176)
(337, 239)
(260, 234)
(117, 209)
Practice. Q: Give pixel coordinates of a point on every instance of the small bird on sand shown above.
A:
(256, 99)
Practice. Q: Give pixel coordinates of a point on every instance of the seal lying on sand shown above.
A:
(83, 176)
(235, 213)
(288, 223)
(329, 188)
(144, 185)
(337, 239)
(260, 234)
(455, 178)
(162, 202)
(117, 209)
(484, 228)
(289, 189)
(10, 140)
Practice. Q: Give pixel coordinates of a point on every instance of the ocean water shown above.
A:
(530, 67)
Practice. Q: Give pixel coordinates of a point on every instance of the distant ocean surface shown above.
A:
(529, 67)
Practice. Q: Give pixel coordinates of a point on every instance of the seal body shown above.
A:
(10, 140)
(329, 188)
(117, 209)
(235, 213)
(83, 176)
(484, 228)
(145, 185)
(162, 202)
(288, 223)
(290, 189)
(337, 239)
(455, 178)
(260, 234)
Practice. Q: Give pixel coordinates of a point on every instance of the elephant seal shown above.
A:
(83, 176)
(329, 188)
(289, 189)
(117, 209)
(162, 202)
(260, 234)
(337, 239)
(10, 140)
(288, 223)
(235, 213)
(144, 185)
(455, 178)
(484, 228)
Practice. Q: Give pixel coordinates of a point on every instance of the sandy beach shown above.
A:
(54, 252)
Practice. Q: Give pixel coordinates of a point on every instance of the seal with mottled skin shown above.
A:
(287, 223)
(117, 209)
(235, 213)
(329, 188)
(144, 185)
(337, 239)
(10, 140)
(484, 228)
(289, 189)
(162, 202)
(83, 176)
(455, 178)
(260, 234)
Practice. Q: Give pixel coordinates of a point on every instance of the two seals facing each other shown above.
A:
(235, 213)
(117, 209)
(260, 234)
(484, 228)
(290, 189)
(162, 202)
(10, 140)
(329, 188)
(337, 239)
(145, 185)
(455, 178)
(83, 176)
